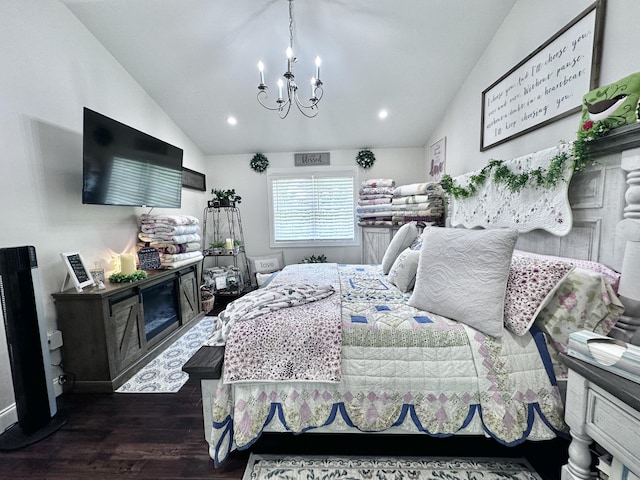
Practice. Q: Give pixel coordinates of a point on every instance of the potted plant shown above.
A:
(217, 247)
(314, 259)
(237, 245)
(224, 198)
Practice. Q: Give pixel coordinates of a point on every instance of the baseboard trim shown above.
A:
(8, 416)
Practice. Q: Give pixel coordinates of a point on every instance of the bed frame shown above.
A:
(605, 200)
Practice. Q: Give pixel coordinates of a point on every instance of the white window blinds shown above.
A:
(312, 208)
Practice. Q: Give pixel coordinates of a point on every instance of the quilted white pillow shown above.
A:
(403, 238)
(531, 285)
(462, 274)
(403, 271)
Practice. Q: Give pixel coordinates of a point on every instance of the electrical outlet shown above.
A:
(54, 339)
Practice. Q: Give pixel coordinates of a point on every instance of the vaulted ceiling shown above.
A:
(198, 60)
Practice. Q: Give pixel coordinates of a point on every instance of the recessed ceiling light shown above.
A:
(383, 114)
(232, 120)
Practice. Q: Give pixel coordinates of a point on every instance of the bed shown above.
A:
(445, 351)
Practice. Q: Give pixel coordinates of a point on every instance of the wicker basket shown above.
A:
(207, 305)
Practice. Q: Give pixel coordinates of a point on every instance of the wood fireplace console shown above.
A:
(110, 334)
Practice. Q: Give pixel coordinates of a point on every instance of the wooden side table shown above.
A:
(605, 408)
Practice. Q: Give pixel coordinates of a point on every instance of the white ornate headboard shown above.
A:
(605, 205)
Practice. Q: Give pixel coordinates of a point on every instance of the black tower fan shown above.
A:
(28, 350)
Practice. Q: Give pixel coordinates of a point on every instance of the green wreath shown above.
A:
(365, 158)
(259, 163)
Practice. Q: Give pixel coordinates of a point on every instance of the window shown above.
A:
(312, 207)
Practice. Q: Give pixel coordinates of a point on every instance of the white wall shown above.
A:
(529, 25)
(404, 165)
(51, 68)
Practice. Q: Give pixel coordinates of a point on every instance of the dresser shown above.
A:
(605, 408)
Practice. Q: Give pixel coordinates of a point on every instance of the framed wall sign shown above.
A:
(437, 158)
(311, 159)
(193, 179)
(77, 271)
(547, 85)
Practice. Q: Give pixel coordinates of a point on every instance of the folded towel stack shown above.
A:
(177, 238)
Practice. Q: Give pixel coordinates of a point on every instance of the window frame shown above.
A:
(308, 172)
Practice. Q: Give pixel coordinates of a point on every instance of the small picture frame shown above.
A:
(194, 180)
(77, 271)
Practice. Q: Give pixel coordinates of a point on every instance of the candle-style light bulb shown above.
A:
(318, 62)
(280, 85)
(289, 57)
(261, 69)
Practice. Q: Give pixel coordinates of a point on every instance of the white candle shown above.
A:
(229, 244)
(289, 57)
(313, 87)
(261, 68)
(318, 61)
(127, 264)
(280, 84)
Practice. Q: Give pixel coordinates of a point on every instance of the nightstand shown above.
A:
(605, 408)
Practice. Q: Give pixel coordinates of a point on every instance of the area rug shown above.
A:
(164, 373)
(278, 467)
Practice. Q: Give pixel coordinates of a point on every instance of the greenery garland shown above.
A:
(120, 277)
(365, 158)
(259, 163)
(500, 173)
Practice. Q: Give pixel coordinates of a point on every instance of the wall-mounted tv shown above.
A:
(124, 166)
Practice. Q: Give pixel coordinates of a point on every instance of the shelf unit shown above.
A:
(221, 224)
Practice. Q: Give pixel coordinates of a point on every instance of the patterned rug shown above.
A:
(164, 373)
(277, 467)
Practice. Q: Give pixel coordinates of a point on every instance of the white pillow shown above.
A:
(403, 238)
(403, 271)
(263, 279)
(265, 263)
(462, 274)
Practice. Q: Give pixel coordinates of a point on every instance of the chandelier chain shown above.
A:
(291, 24)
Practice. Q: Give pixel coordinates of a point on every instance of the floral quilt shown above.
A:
(401, 368)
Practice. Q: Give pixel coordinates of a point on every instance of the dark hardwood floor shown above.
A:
(160, 436)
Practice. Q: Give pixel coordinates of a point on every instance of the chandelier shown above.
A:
(288, 93)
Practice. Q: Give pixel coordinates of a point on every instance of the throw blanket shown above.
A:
(378, 182)
(533, 207)
(300, 342)
(418, 189)
(170, 219)
(168, 238)
(263, 301)
(168, 229)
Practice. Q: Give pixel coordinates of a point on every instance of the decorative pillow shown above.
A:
(403, 238)
(618, 100)
(462, 274)
(403, 271)
(583, 301)
(265, 263)
(417, 243)
(264, 279)
(532, 282)
(610, 275)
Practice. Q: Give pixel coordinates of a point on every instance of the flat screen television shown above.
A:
(124, 166)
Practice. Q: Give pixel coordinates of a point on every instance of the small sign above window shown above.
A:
(311, 159)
